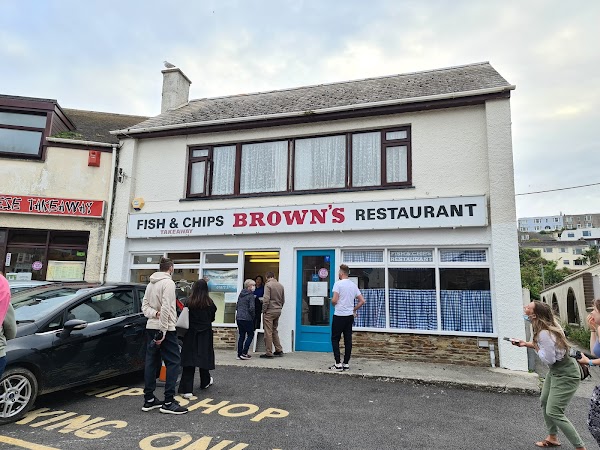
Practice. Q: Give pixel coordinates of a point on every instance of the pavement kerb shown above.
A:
(441, 375)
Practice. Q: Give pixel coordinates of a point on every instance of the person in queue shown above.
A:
(344, 293)
(159, 307)
(563, 378)
(244, 317)
(198, 347)
(259, 293)
(273, 302)
(593, 320)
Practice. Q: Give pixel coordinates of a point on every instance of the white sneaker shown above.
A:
(209, 384)
(188, 395)
(346, 366)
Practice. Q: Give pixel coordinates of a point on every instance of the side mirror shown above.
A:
(70, 325)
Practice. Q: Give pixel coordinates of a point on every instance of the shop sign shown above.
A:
(37, 265)
(411, 256)
(452, 212)
(51, 206)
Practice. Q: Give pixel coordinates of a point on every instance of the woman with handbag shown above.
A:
(198, 350)
(563, 378)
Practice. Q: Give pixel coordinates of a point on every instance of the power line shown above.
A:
(558, 189)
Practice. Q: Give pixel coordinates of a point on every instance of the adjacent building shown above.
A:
(541, 223)
(565, 253)
(407, 179)
(56, 183)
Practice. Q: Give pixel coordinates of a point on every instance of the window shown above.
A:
(569, 219)
(104, 306)
(341, 162)
(537, 220)
(577, 251)
(557, 219)
(537, 228)
(264, 167)
(578, 262)
(21, 134)
(566, 262)
(525, 237)
(198, 169)
(587, 233)
(547, 249)
(371, 282)
(571, 235)
(588, 217)
(563, 250)
(523, 229)
(588, 225)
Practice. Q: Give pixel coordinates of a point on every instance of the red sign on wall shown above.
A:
(50, 206)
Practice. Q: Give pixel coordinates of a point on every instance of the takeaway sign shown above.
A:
(452, 212)
(51, 206)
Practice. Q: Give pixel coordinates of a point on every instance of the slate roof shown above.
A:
(448, 81)
(95, 126)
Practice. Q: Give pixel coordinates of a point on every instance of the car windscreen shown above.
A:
(36, 304)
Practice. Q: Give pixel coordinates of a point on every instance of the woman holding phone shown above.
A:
(550, 343)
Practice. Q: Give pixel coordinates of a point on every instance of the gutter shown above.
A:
(129, 131)
(80, 142)
(107, 225)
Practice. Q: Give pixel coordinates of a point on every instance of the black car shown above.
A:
(70, 334)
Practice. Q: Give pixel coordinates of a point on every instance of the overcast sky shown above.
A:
(107, 56)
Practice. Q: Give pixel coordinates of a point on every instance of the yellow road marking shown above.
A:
(25, 444)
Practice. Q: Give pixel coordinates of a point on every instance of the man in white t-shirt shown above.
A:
(344, 293)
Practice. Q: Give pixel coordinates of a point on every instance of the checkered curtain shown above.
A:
(372, 313)
(467, 311)
(413, 309)
(362, 256)
(462, 255)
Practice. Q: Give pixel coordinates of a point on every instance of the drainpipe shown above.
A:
(109, 211)
(492, 355)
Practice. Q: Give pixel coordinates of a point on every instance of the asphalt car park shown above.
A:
(252, 408)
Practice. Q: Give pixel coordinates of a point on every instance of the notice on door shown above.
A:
(316, 289)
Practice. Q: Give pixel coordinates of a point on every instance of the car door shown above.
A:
(102, 349)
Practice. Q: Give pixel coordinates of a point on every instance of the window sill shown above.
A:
(280, 194)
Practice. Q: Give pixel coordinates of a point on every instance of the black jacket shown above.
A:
(198, 350)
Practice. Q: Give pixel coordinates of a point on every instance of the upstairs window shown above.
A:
(346, 161)
(21, 134)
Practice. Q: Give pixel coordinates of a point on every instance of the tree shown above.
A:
(531, 271)
(591, 255)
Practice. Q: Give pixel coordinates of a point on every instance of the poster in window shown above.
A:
(316, 289)
(65, 271)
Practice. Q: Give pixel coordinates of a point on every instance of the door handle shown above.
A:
(129, 325)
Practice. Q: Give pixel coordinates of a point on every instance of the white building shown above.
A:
(408, 179)
(541, 223)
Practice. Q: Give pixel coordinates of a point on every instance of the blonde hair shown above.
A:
(545, 320)
(249, 282)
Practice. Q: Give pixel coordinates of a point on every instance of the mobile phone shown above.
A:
(513, 341)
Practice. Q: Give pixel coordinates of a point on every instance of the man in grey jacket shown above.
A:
(159, 307)
(273, 301)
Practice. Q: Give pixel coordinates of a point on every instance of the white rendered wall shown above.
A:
(506, 279)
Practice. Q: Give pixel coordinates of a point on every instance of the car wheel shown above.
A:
(18, 391)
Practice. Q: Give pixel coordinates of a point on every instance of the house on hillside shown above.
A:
(407, 179)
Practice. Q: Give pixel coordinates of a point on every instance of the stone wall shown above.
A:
(225, 338)
(462, 350)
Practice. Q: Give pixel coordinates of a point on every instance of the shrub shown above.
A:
(578, 335)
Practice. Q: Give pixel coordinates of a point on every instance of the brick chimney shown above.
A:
(175, 90)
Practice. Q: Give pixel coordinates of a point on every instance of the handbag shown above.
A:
(584, 371)
(183, 321)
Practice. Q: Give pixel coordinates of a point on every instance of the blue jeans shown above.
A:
(246, 331)
(168, 351)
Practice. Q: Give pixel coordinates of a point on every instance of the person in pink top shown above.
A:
(4, 296)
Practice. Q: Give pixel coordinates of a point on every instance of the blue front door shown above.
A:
(313, 312)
